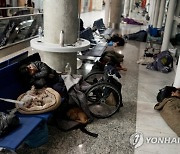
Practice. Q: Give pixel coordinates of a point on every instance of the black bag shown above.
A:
(8, 122)
(165, 93)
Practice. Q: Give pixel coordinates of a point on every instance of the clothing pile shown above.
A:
(39, 101)
(131, 21)
(163, 62)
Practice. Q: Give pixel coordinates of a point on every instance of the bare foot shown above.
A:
(122, 68)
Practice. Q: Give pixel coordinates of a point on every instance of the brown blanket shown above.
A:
(170, 111)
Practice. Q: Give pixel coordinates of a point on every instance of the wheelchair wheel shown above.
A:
(103, 100)
(94, 77)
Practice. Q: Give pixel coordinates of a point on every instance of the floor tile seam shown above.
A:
(149, 113)
(145, 151)
(138, 88)
(143, 102)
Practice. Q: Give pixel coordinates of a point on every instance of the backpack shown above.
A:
(163, 62)
(76, 99)
(165, 93)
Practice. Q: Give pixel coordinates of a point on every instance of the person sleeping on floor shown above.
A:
(116, 39)
(170, 110)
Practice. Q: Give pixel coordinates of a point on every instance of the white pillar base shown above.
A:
(58, 61)
(56, 56)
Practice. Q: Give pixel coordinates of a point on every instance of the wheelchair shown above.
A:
(104, 97)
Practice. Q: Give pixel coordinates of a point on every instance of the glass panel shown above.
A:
(17, 28)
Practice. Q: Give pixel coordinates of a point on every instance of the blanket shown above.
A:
(170, 111)
(39, 101)
(131, 21)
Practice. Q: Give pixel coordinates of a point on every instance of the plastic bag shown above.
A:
(8, 122)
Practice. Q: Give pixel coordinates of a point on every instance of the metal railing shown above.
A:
(6, 8)
(18, 29)
(20, 16)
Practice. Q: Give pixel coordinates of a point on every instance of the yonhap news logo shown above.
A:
(138, 139)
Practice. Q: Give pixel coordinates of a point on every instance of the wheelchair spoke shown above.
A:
(103, 100)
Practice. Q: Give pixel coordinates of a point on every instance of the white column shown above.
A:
(161, 13)
(7, 2)
(131, 6)
(126, 8)
(151, 11)
(177, 76)
(175, 23)
(60, 15)
(37, 4)
(14, 3)
(177, 8)
(97, 5)
(168, 25)
(116, 12)
(84, 5)
(107, 13)
(147, 5)
(155, 20)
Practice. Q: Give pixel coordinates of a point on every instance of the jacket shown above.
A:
(45, 76)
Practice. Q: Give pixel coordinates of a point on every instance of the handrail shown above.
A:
(9, 45)
(20, 16)
(6, 8)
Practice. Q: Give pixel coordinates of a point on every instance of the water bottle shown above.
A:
(61, 38)
(40, 34)
(67, 69)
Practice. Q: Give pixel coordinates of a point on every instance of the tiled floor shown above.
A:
(113, 132)
(140, 87)
(148, 121)
(90, 17)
